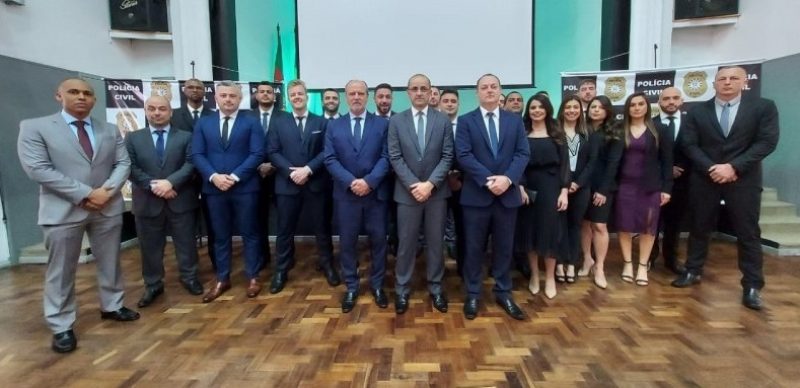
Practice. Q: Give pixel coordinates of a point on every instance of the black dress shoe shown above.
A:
(401, 304)
(149, 296)
(278, 282)
(511, 308)
(193, 287)
(439, 302)
(330, 275)
(686, 279)
(64, 342)
(471, 308)
(124, 314)
(751, 298)
(349, 301)
(381, 300)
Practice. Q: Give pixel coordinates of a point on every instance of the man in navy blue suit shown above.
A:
(492, 151)
(227, 147)
(357, 158)
(295, 148)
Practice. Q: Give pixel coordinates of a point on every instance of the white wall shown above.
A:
(74, 34)
(766, 29)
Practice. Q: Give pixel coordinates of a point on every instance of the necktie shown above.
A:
(225, 131)
(723, 119)
(195, 115)
(421, 131)
(300, 125)
(357, 132)
(492, 133)
(671, 126)
(160, 146)
(83, 138)
(265, 121)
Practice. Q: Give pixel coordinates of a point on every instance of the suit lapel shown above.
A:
(349, 131)
(411, 129)
(97, 129)
(744, 109)
(711, 111)
(65, 131)
(429, 125)
(478, 116)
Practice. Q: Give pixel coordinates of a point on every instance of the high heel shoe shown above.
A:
(560, 273)
(599, 279)
(627, 276)
(533, 284)
(586, 269)
(641, 275)
(570, 277)
(550, 290)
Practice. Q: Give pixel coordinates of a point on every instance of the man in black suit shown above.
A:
(185, 118)
(268, 115)
(164, 198)
(726, 138)
(454, 229)
(672, 122)
(295, 147)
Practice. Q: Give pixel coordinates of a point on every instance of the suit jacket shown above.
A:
(474, 154)
(182, 118)
(587, 159)
(410, 164)
(51, 156)
(754, 135)
(609, 154)
(242, 155)
(347, 161)
(657, 163)
(678, 156)
(177, 168)
(288, 148)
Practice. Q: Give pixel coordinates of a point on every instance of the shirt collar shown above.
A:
(153, 129)
(424, 111)
(305, 114)
(363, 116)
(269, 111)
(732, 101)
(663, 116)
(232, 115)
(496, 112)
(70, 118)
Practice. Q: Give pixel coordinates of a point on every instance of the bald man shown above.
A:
(80, 164)
(165, 198)
(671, 121)
(726, 138)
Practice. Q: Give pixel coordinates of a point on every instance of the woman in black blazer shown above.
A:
(645, 183)
(582, 157)
(603, 185)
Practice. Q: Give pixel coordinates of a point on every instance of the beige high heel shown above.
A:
(599, 280)
(533, 284)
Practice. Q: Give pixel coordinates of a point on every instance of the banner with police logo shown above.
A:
(695, 83)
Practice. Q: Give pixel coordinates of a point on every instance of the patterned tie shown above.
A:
(357, 131)
(265, 121)
(160, 145)
(83, 138)
(225, 131)
(421, 130)
(300, 125)
(671, 126)
(723, 119)
(492, 133)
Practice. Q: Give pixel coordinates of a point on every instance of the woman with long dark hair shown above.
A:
(582, 157)
(645, 183)
(547, 174)
(603, 183)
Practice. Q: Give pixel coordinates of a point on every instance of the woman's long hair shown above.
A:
(626, 120)
(607, 127)
(580, 124)
(553, 129)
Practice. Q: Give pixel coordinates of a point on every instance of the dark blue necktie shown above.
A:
(492, 133)
(160, 145)
(357, 131)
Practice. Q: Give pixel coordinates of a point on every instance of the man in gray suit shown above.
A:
(164, 198)
(420, 142)
(80, 164)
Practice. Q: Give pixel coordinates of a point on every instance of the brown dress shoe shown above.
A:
(254, 288)
(216, 291)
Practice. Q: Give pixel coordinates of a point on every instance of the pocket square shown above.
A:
(315, 132)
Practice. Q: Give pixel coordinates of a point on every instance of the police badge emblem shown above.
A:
(695, 83)
(615, 88)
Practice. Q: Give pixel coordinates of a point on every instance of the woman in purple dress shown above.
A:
(645, 183)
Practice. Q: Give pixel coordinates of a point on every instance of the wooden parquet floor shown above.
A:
(623, 336)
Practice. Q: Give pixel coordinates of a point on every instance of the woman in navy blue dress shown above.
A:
(645, 183)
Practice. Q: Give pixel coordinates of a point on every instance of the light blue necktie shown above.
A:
(357, 132)
(492, 133)
(723, 119)
(421, 131)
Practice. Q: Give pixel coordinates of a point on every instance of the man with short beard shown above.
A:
(383, 100)
(330, 104)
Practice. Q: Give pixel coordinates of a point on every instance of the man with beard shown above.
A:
(435, 97)
(330, 104)
(587, 90)
(383, 100)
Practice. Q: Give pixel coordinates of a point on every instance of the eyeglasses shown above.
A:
(416, 89)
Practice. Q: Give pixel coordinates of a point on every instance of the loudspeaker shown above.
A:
(139, 15)
(694, 9)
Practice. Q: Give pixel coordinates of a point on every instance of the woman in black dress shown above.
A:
(645, 183)
(603, 185)
(547, 174)
(582, 157)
